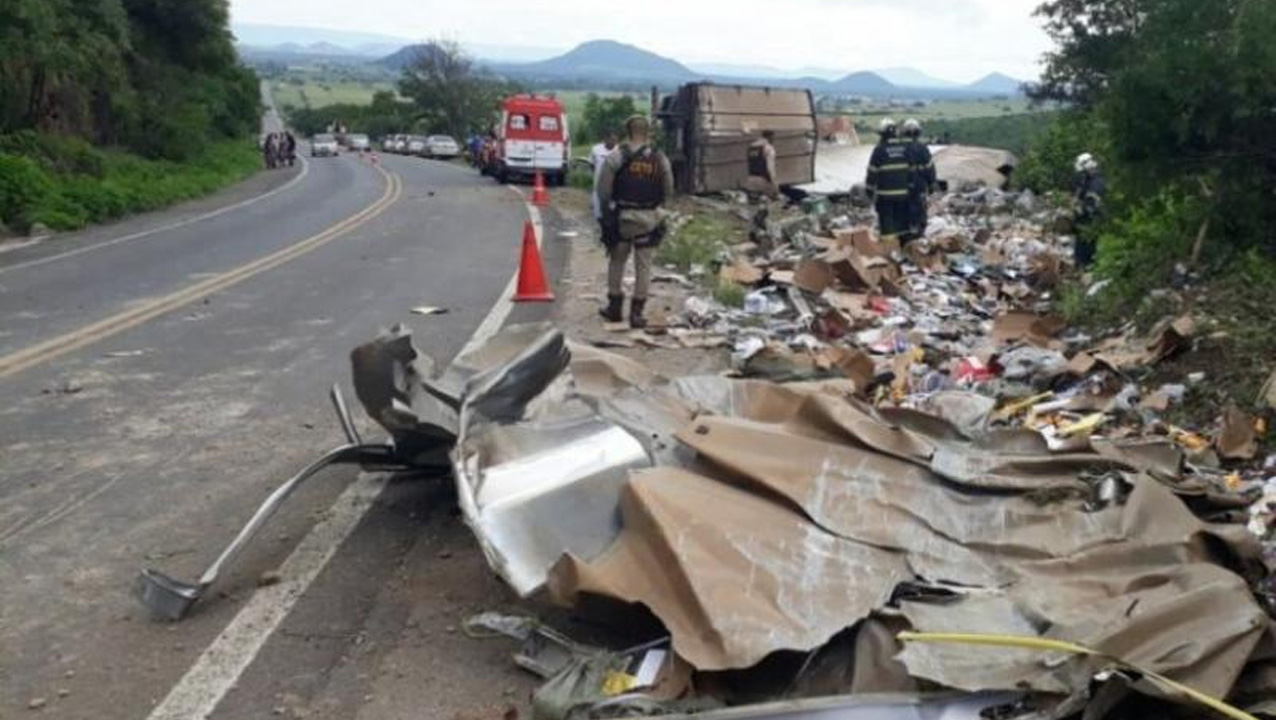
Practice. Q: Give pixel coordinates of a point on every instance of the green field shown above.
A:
(943, 109)
(319, 92)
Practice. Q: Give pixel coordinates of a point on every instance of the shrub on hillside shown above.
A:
(23, 186)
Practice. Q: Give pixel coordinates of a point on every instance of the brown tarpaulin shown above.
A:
(799, 524)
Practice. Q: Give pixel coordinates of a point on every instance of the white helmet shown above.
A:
(912, 127)
(888, 125)
(1086, 163)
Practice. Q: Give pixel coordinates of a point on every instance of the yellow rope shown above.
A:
(1048, 645)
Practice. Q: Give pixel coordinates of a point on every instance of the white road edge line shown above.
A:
(305, 170)
(224, 661)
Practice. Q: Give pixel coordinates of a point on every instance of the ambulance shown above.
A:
(532, 136)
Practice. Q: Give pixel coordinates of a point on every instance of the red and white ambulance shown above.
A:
(532, 137)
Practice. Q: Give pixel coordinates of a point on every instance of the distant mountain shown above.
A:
(997, 84)
(270, 36)
(606, 60)
(733, 70)
(864, 83)
(908, 77)
(401, 58)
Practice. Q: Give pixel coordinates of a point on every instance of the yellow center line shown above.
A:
(48, 350)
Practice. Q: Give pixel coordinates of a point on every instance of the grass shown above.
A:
(944, 109)
(730, 294)
(699, 242)
(44, 188)
(315, 92)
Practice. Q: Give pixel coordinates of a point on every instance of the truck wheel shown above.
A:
(502, 175)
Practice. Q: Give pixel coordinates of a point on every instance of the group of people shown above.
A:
(280, 150)
(633, 180)
(901, 178)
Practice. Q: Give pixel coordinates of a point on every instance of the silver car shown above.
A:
(358, 142)
(442, 146)
(324, 145)
(417, 145)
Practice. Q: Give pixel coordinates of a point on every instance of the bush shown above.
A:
(124, 183)
(699, 242)
(23, 187)
(581, 178)
(1050, 162)
(1015, 133)
(55, 153)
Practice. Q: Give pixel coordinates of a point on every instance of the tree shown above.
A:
(605, 115)
(1186, 93)
(451, 95)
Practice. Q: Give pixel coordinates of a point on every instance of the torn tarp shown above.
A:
(777, 517)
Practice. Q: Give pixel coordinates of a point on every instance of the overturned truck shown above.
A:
(708, 129)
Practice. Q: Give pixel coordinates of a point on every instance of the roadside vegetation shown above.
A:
(125, 108)
(1186, 134)
(441, 91)
(65, 183)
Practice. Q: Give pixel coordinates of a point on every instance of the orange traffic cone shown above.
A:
(540, 196)
(532, 284)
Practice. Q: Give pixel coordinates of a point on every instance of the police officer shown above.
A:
(635, 182)
(890, 177)
(1088, 188)
(762, 175)
(923, 183)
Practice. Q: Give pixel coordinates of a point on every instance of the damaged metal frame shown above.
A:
(171, 599)
(536, 489)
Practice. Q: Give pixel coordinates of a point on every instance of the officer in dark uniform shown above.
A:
(635, 182)
(890, 177)
(924, 181)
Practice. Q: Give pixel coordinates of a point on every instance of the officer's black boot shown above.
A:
(636, 320)
(615, 310)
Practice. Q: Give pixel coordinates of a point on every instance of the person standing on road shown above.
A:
(923, 182)
(1088, 189)
(635, 183)
(597, 159)
(762, 174)
(290, 148)
(890, 175)
(272, 151)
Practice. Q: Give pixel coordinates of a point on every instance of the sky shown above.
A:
(959, 40)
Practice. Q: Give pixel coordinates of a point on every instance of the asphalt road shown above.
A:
(158, 377)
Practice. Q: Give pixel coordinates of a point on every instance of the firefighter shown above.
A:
(1089, 188)
(762, 175)
(890, 175)
(635, 182)
(923, 183)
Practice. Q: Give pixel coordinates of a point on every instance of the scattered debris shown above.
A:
(429, 310)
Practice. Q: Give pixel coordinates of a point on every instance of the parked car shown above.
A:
(442, 146)
(324, 145)
(358, 142)
(533, 137)
(416, 145)
(387, 143)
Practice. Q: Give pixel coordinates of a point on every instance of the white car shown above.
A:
(401, 144)
(442, 146)
(387, 144)
(416, 144)
(358, 142)
(324, 145)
